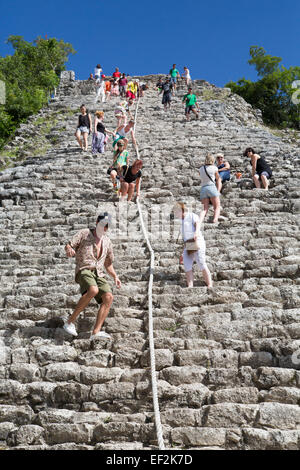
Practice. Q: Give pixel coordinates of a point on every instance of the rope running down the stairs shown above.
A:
(159, 431)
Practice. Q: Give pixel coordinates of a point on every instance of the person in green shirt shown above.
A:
(174, 74)
(190, 101)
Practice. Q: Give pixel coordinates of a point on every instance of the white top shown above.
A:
(187, 73)
(211, 170)
(97, 72)
(188, 226)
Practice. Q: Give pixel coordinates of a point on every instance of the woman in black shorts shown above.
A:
(261, 171)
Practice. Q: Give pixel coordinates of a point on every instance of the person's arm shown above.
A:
(110, 269)
(138, 186)
(95, 125)
(133, 138)
(70, 252)
(225, 168)
(253, 163)
(197, 229)
(73, 244)
(218, 181)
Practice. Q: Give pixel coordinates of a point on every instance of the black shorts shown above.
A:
(188, 109)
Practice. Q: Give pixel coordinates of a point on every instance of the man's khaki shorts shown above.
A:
(87, 278)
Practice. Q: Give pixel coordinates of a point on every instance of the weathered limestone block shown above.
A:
(11, 391)
(71, 433)
(93, 375)
(118, 391)
(60, 372)
(25, 373)
(163, 358)
(190, 436)
(73, 393)
(256, 359)
(5, 429)
(48, 354)
(229, 415)
(100, 358)
(198, 357)
(277, 415)
(267, 377)
(19, 415)
(242, 395)
(183, 375)
(29, 434)
(180, 417)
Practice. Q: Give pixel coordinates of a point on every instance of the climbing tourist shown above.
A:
(131, 92)
(223, 169)
(130, 178)
(186, 76)
(116, 74)
(91, 78)
(84, 126)
(190, 100)
(210, 188)
(159, 85)
(121, 112)
(194, 244)
(261, 171)
(121, 133)
(167, 89)
(107, 89)
(174, 74)
(93, 251)
(120, 159)
(115, 89)
(100, 134)
(100, 85)
(97, 72)
(122, 85)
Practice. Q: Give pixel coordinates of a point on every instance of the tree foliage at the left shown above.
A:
(30, 76)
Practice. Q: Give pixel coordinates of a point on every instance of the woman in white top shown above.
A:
(186, 76)
(210, 188)
(193, 241)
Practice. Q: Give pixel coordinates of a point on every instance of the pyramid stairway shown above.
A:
(226, 359)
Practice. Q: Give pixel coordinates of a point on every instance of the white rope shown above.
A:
(158, 425)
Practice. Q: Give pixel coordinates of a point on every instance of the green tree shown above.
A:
(273, 92)
(30, 75)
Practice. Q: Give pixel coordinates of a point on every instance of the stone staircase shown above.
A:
(225, 358)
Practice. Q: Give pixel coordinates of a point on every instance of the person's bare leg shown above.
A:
(203, 213)
(103, 311)
(216, 205)
(124, 190)
(256, 181)
(85, 138)
(78, 138)
(130, 191)
(265, 182)
(207, 277)
(189, 278)
(83, 302)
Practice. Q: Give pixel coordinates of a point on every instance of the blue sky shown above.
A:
(211, 38)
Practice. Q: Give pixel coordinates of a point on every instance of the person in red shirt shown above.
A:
(116, 73)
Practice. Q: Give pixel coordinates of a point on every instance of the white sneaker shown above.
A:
(101, 334)
(70, 328)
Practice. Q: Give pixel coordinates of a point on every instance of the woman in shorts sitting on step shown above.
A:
(261, 171)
